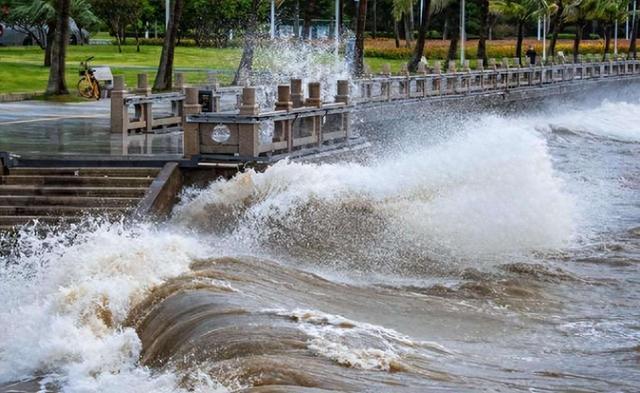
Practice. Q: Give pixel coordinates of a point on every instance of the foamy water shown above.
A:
(83, 309)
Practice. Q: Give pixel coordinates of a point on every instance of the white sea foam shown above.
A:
(491, 189)
(65, 297)
(355, 344)
(613, 120)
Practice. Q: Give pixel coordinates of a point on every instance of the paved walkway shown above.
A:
(41, 128)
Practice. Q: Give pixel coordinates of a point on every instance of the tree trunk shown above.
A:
(607, 41)
(453, 16)
(418, 51)
(165, 68)
(375, 19)
(360, 23)
(57, 84)
(576, 41)
(557, 25)
(118, 40)
(250, 38)
(137, 38)
(51, 33)
(483, 33)
(634, 35)
(407, 31)
(396, 33)
(308, 14)
(519, 41)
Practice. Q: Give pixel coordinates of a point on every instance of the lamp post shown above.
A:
(337, 26)
(167, 11)
(272, 30)
(462, 31)
(539, 27)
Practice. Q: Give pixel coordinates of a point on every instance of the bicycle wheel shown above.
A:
(85, 88)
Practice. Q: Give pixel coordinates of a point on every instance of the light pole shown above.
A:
(272, 30)
(337, 26)
(167, 11)
(539, 27)
(462, 32)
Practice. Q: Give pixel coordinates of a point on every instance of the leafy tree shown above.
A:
(118, 14)
(634, 33)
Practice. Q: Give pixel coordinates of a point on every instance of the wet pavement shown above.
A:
(41, 128)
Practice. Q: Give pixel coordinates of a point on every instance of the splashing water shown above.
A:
(281, 60)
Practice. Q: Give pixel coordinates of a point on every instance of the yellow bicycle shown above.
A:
(88, 85)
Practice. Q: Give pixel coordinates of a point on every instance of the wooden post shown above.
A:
(282, 130)
(297, 98)
(248, 137)
(191, 135)
(119, 111)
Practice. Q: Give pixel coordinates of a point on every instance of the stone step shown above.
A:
(70, 201)
(10, 221)
(74, 181)
(96, 172)
(49, 211)
(128, 192)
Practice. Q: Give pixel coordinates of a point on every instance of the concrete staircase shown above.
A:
(58, 195)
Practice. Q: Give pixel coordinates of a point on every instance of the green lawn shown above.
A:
(21, 69)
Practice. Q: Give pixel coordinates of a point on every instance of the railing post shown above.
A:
(315, 100)
(146, 111)
(248, 134)
(119, 111)
(191, 136)
(314, 95)
(179, 85)
(282, 130)
(343, 97)
(297, 98)
(343, 91)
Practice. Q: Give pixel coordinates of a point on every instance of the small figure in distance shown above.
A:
(531, 54)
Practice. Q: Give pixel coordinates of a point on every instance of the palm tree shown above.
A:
(360, 25)
(521, 11)
(484, 30)
(610, 12)
(634, 34)
(580, 12)
(57, 84)
(556, 11)
(418, 51)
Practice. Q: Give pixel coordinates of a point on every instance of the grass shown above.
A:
(21, 69)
